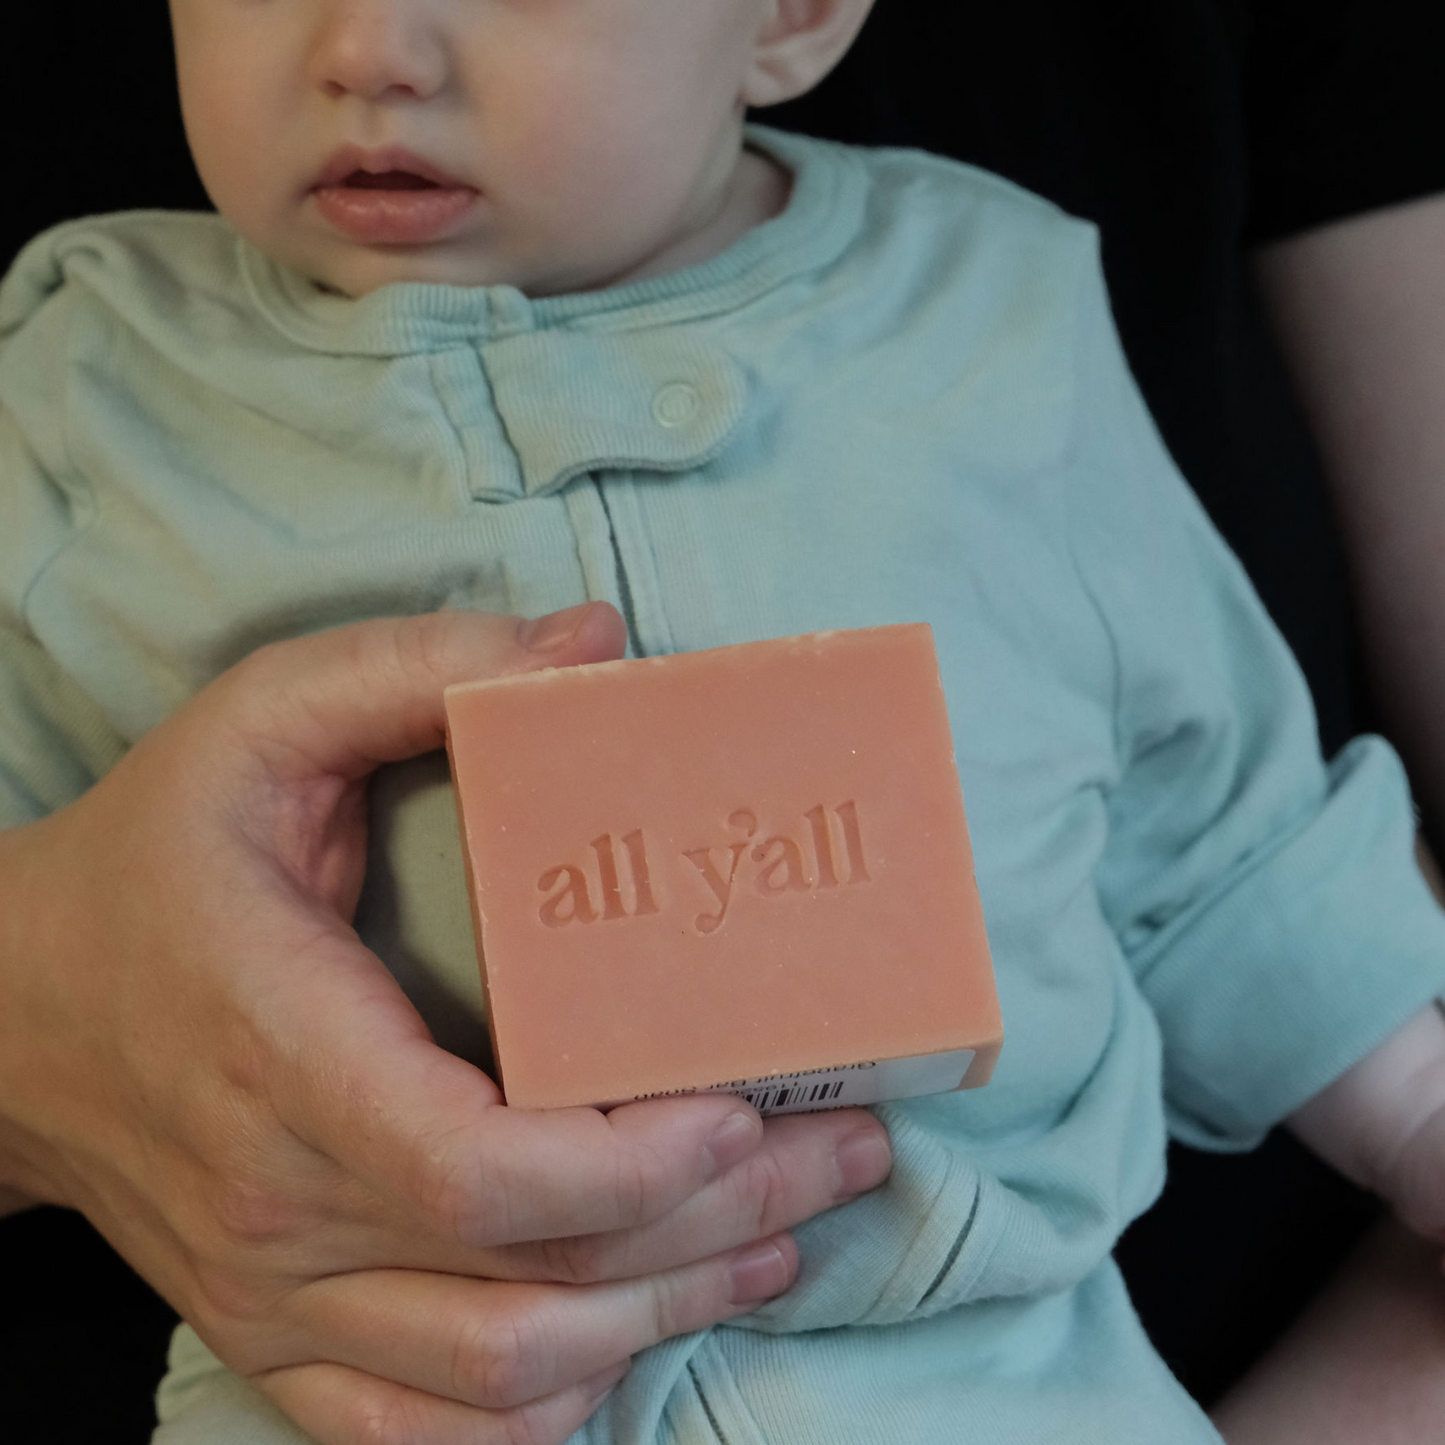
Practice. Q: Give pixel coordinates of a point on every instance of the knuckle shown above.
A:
(244, 1057)
(385, 650)
(435, 642)
(388, 1418)
(577, 1260)
(418, 648)
(497, 1358)
(766, 1195)
(635, 1187)
(251, 1213)
(228, 1294)
(452, 1197)
(532, 1425)
(675, 1305)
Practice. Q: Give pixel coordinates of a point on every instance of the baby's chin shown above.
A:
(349, 269)
(359, 275)
(354, 270)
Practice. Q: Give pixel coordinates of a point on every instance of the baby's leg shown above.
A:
(201, 1402)
(1365, 1362)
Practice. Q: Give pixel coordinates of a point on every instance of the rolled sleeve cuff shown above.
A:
(1315, 953)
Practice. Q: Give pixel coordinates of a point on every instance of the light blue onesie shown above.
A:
(901, 400)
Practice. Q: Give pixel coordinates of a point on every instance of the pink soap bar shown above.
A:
(743, 869)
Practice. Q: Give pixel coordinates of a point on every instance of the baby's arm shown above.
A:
(1365, 1359)
(1382, 1123)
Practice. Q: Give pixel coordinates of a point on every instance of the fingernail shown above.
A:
(599, 1384)
(554, 631)
(735, 1138)
(862, 1161)
(758, 1273)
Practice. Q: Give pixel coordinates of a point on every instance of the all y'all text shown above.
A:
(772, 866)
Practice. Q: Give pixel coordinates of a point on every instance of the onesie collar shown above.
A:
(823, 214)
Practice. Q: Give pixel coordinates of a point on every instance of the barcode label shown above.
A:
(769, 1101)
(844, 1087)
(871, 1082)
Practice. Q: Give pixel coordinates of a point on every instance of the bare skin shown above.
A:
(1365, 1362)
(1360, 308)
(206, 1061)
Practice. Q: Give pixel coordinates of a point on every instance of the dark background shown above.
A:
(1189, 129)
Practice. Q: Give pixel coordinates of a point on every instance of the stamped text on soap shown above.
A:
(771, 866)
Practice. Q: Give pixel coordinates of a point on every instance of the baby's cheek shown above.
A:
(566, 152)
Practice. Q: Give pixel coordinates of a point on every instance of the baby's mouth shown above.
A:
(388, 181)
(390, 196)
(393, 207)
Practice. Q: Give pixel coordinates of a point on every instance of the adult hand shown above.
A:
(198, 1053)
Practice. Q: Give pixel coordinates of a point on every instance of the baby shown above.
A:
(506, 310)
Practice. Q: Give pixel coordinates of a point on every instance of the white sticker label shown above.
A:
(850, 1085)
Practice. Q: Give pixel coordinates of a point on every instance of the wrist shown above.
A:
(1367, 1122)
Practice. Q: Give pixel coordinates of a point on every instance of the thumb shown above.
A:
(340, 703)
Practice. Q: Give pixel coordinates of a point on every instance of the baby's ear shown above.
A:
(800, 43)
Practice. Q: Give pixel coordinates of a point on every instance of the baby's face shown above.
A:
(555, 145)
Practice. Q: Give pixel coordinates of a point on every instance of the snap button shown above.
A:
(676, 404)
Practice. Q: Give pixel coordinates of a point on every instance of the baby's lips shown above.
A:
(346, 160)
(378, 216)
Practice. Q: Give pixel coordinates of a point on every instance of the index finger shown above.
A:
(344, 701)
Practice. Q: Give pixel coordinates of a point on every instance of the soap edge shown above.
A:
(536, 675)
